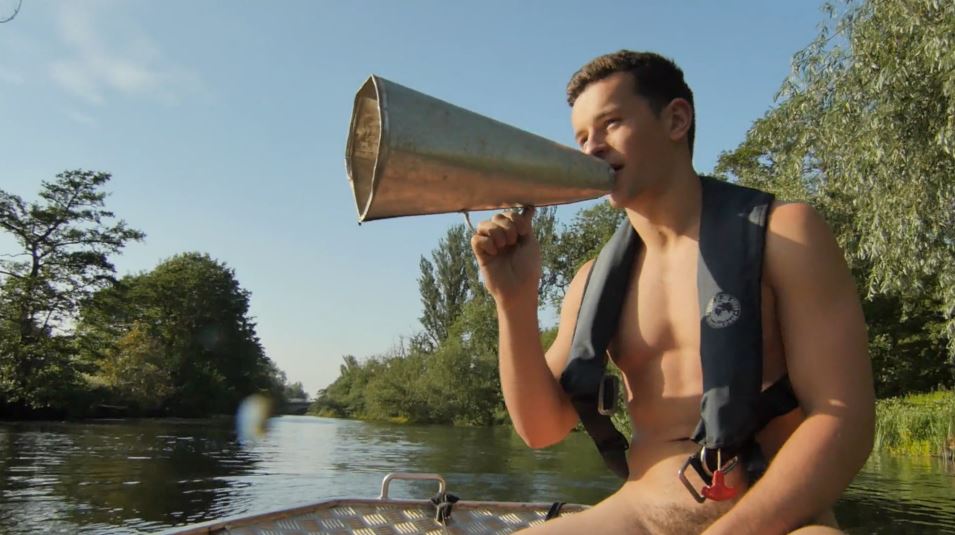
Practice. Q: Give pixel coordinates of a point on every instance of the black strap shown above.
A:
(597, 322)
(775, 401)
(554, 510)
(733, 224)
(443, 503)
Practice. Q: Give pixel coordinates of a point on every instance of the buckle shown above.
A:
(701, 466)
(607, 395)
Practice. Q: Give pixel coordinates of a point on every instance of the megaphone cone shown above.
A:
(412, 154)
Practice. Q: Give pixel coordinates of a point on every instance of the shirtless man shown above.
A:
(634, 111)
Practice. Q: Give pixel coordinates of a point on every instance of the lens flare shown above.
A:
(251, 418)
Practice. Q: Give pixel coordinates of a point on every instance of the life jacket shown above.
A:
(733, 407)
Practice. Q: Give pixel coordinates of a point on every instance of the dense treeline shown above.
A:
(864, 131)
(74, 341)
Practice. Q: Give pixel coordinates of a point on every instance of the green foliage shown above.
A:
(134, 368)
(337, 400)
(447, 281)
(548, 235)
(294, 390)
(185, 325)
(576, 244)
(907, 344)
(865, 131)
(65, 241)
(916, 425)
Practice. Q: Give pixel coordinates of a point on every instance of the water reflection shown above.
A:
(478, 463)
(139, 476)
(895, 495)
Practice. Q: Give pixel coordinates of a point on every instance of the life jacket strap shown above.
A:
(610, 442)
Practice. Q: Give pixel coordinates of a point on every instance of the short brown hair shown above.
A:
(655, 77)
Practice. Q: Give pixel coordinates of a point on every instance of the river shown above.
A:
(139, 476)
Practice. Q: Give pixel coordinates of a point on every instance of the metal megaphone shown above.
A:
(412, 154)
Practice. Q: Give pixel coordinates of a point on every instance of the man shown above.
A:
(635, 111)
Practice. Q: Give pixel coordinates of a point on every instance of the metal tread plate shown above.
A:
(384, 517)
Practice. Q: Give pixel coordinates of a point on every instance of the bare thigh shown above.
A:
(613, 515)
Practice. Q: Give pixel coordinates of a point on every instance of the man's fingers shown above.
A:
(522, 220)
(501, 231)
(526, 220)
(508, 227)
(483, 245)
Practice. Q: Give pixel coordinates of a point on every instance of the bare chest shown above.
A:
(657, 346)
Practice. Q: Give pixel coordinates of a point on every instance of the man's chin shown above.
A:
(618, 197)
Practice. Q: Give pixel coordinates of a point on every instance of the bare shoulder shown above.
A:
(801, 249)
(797, 221)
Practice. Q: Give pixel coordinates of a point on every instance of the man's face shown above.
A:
(615, 124)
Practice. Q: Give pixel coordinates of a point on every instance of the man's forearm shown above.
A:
(805, 478)
(531, 393)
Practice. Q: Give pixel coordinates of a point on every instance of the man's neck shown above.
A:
(669, 212)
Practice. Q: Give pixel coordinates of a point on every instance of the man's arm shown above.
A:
(509, 257)
(824, 337)
(540, 410)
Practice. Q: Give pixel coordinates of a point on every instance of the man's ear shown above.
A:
(679, 114)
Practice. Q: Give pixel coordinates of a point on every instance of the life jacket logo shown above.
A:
(722, 311)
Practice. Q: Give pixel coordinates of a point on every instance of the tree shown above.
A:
(189, 317)
(135, 369)
(548, 236)
(65, 241)
(344, 398)
(295, 391)
(865, 131)
(578, 243)
(446, 283)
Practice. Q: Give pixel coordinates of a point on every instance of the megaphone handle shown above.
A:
(467, 215)
(467, 219)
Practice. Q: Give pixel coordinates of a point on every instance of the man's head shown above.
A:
(655, 77)
(634, 111)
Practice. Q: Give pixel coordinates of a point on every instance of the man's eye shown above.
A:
(581, 142)
(613, 122)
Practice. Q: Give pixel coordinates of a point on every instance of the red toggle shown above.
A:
(718, 491)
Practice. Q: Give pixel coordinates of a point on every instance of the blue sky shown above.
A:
(224, 125)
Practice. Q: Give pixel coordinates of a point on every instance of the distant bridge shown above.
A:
(295, 406)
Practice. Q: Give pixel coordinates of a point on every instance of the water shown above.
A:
(140, 476)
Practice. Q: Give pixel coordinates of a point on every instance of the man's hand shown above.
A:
(509, 256)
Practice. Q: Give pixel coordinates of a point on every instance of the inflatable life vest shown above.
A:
(733, 407)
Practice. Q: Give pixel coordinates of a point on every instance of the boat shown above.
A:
(441, 514)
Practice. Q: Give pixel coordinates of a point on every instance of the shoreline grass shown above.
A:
(916, 425)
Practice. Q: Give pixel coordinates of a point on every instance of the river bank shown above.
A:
(916, 425)
(911, 425)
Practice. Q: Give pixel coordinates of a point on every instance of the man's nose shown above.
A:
(595, 147)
